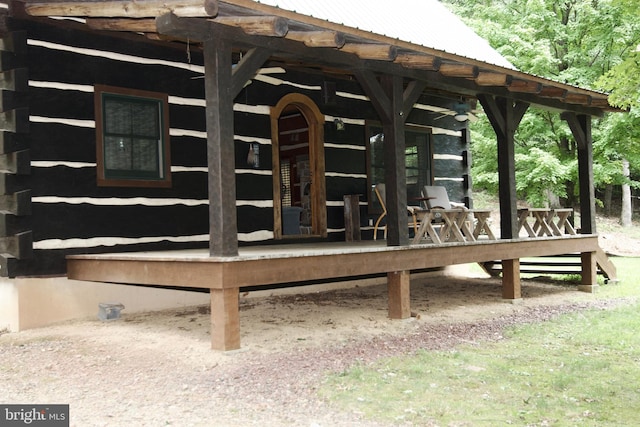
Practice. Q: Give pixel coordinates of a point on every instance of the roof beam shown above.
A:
(122, 24)
(272, 26)
(553, 92)
(577, 98)
(318, 38)
(123, 9)
(425, 62)
(201, 29)
(493, 79)
(524, 86)
(380, 52)
(458, 70)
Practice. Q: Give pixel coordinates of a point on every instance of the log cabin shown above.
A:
(171, 153)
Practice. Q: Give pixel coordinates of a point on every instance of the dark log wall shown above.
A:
(54, 208)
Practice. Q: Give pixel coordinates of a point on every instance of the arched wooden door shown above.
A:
(299, 191)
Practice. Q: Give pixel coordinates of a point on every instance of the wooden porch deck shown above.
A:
(267, 265)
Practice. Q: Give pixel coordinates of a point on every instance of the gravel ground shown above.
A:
(157, 369)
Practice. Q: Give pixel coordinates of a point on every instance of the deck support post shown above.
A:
(225, 319)
(511, 279)
(589, 282)
(399, 287)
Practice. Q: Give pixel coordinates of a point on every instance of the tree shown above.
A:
(573, 41)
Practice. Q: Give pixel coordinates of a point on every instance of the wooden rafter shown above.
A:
(380, 52)
(600, 102)
(123, 24)
(524, 86)
(553, 92)
(126, 9)
(425, 62)
(272, 26)
(493, 79)
(458, 70)
(577, 98)
(255, 18)
(318, 38)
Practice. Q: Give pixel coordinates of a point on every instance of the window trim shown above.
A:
(163, 100)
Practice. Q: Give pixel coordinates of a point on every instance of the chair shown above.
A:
(454, 215)
(380, 190)
(436, 197)
(466, 225)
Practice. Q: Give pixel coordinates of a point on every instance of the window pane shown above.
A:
(145, 120)
(117, 153)
(117, 116)
(145, 155)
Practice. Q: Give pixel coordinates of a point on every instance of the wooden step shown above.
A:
(557, 264)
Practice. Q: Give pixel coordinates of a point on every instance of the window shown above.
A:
(132, 135)
(417, 161)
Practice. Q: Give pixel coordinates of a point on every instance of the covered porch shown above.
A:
(393, 74)
(262, 266)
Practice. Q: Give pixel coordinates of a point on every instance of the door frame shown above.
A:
(315, 120)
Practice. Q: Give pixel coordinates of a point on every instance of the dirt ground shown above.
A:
(157, 368)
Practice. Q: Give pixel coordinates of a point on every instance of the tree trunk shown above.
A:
(608, 194)
(625, 217)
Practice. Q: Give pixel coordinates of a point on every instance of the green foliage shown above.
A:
(540, 173)
(618, 138)
(623, 81)
(581, 42)
(485, 160)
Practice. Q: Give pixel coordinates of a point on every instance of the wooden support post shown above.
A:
(399, 286)
(505, 115)
(580, 126)
(511, 279)
(223, 234)
(393, 103)
(225, 319)
(395, 168)
(589, 282)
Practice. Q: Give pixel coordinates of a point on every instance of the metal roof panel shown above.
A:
(423, 22)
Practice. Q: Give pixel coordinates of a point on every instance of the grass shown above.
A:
(580, 369)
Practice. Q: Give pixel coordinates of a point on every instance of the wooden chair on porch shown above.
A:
(381, 194)
(451, 216)
(455, 219)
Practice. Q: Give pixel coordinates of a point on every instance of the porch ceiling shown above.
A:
(303, 40)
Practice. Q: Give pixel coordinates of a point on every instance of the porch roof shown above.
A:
(427, 23)
(321, 36)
